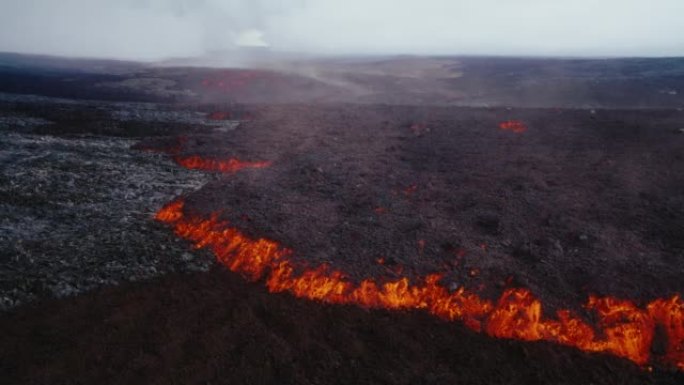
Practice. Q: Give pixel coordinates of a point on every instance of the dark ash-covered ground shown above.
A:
(580, 203)
(585, 201)
(213, 328)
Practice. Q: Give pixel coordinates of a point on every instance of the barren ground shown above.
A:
(584, 201)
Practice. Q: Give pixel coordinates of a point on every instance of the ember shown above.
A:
(226, 166)
(515, 126)
(411, 189)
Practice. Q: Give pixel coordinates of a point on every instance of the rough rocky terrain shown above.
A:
(584, 196)
(580, 203)
(77, 207)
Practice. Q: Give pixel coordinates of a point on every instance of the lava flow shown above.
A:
(621, 328)
(515, 126)
(228, 166)
(194, 162)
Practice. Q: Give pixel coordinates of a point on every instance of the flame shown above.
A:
(195, 162)
(231, 165)
(622, 328)
(515, 126)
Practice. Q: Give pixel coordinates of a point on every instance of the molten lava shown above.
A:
(194, 162)
(622, 328)
(515, 126)
(227, 166)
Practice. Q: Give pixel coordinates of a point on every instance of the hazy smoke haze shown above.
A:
(156, 29)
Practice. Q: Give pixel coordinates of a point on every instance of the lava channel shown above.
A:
(622, 328)
(515, 126)
(227, 166)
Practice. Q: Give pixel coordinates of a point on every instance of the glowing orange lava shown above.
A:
(239, 80)
(622, 328)
(515, 126)
(228, 166)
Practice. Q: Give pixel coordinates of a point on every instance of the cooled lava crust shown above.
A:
(489, 210)
(577, 204)
(571, 204)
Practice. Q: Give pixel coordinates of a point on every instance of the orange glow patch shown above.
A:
(515, 126)
(226, 166)
(622, 328)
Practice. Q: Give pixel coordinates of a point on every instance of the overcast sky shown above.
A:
(156, 29)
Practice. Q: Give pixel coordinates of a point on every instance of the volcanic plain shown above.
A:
(534, 188)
